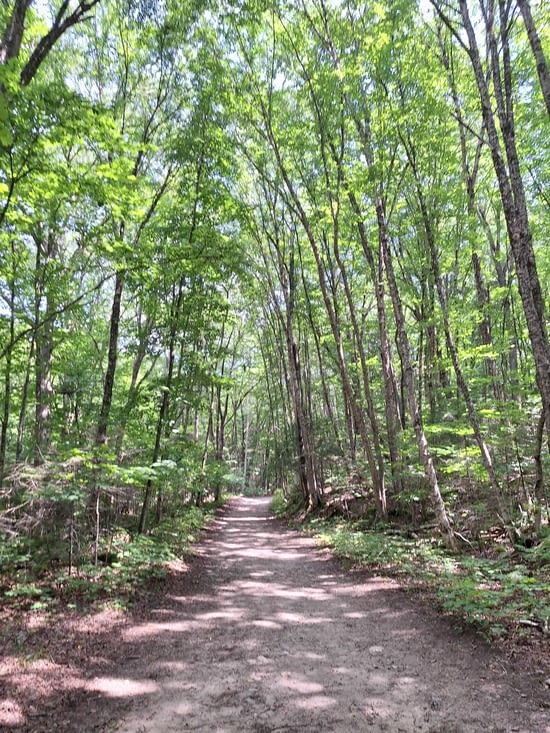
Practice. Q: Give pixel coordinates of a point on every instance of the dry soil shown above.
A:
(267, 632)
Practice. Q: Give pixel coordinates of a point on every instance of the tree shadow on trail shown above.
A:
(267, 633)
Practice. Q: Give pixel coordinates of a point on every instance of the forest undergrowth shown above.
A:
(123, 569)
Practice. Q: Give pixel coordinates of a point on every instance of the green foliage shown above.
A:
(493, 594)
(126, 566)
(208, 159)
(287, 505)
(279, 503)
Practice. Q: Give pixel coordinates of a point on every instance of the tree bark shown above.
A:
(425, 454)
(538, 53)
(46, 246)
(12, 38)
(378, 276)
(510, 181)
(356, 412)
(62, 22)
(287, 281)
(507, 168)
(24, 401)
(7, 381)
(453, 352)
(13, 32)
(112, 355)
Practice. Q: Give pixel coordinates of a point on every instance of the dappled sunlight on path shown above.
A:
(278, 638)
(267, 633)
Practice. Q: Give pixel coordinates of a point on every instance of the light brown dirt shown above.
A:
(267, 633)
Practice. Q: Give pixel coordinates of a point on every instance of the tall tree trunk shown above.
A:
(470, 169)
(538, 53)
(142, 524)
(7, 381)
(327, 401)
(135, 381)
(539, 493)
(391, 408)
(43, 325)
(287, 282)
(175, 311)
(453, 352)
(308, 472)
(425, 454)
(380, 486)
(350, 397)
(112, 355)
(508, 173)
(24, 401)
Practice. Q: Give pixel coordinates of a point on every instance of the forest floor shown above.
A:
(264, 632)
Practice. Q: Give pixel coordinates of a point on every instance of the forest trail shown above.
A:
(264, 632)
(276, 636)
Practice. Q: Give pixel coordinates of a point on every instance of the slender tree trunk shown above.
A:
(175, 313)
(349, 395)
(538, 53)
(509, 177)
(135, 382)
(378, 275)
(308, 473)
(154, 458)
(43, 393)
(24, 401)
(337, 153)
(425, 454)
(451, 347)
(45, 251)
(112, 355)
(327, 401)
(380, 485)
(470, 169)
(540, 497)
(7, 382)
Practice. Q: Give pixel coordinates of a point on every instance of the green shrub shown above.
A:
(494, 594)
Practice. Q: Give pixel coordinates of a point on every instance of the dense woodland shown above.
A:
(259, 246)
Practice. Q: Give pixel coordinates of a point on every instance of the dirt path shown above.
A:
(278, 638)
(267, 633)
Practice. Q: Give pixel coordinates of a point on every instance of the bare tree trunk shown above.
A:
(356, 412)
(470, 169)
(451, 347)
(380, 485)
(425, 454)
(287, 281)
(327, 401)
(539, 480)
(7, 381)
(112, 355)
(45, 251)
(538, 53)
(24, 400)
(390, 403)
(154, 458)
(43, 392)
(135, 382)
(508, 173)
(13, 32)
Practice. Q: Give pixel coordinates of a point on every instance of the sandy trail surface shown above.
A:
(273, 635)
